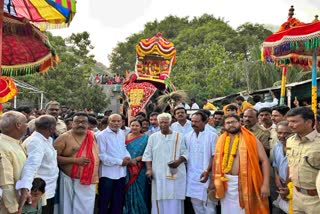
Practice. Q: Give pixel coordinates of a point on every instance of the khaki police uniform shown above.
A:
(303, 176)
(262, 134)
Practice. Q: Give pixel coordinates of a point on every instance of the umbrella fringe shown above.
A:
(41, 66)
(50, 26)
(274, 54)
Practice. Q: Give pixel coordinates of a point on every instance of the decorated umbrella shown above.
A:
(7, 89)
(46, 14)
(25, 49)
(29, 50)
(295, 43)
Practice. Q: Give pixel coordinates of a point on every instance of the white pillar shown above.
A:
(289, 96)
(15, 102)
(41, 101)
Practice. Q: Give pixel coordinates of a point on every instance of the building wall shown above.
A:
(113, 91)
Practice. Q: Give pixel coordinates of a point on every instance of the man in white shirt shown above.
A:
(258, 104)
(124, 128)
(154, 123)
(42, 160)
(200, 146)
(194, 105)
(182, 125)
(207, 126)
(114, 159)
(164, 156)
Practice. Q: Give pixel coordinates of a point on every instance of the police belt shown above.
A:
(311, 192)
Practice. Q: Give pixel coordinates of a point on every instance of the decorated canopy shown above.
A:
(25, 50)
(155, 57)
(295, 43)
(46, 14)
(293, 46)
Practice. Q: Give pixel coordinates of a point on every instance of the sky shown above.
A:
(111, 21)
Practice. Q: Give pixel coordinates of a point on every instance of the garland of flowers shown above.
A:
(227, 165)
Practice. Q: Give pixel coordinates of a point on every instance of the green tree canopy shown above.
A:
(205, 71)
(213, 59)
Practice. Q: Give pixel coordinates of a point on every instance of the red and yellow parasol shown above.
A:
(295, 43)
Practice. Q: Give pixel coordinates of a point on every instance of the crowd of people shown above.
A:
(106, 79)
(237, 160)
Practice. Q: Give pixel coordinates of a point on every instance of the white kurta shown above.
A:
(200, 149)
(176, 126)
(159, 150)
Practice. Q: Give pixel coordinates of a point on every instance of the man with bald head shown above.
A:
(114, 159)
(78, 159)
(13, 126)
(42, 159)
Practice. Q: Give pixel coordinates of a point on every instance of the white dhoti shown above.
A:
(75, 198)
(230, 202)
(203, 207)
(172, 206)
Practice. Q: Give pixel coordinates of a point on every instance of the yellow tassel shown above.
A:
(224, 179)
(289, 196)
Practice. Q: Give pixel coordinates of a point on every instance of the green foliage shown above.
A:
(205, 71)
(68, 82)
(213, 59)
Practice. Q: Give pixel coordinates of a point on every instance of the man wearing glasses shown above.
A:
(241, 170)
(77, 155)
(303, 151)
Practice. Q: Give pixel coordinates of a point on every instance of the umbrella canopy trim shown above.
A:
(46, 14)
(293, 46)
(25, 49)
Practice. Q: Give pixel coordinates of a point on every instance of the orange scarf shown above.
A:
(86, 172)
(250, 176)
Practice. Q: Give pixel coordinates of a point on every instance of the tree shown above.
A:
(196, 70)
(68, 82)
(204, 72)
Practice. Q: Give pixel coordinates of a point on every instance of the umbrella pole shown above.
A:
(1, 25)
(283, 85)
(314, 82)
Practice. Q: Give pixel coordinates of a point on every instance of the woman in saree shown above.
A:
(136, 190)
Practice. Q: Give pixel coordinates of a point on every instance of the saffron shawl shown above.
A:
(250, 175)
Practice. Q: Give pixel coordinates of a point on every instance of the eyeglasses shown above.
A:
(231, 122)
